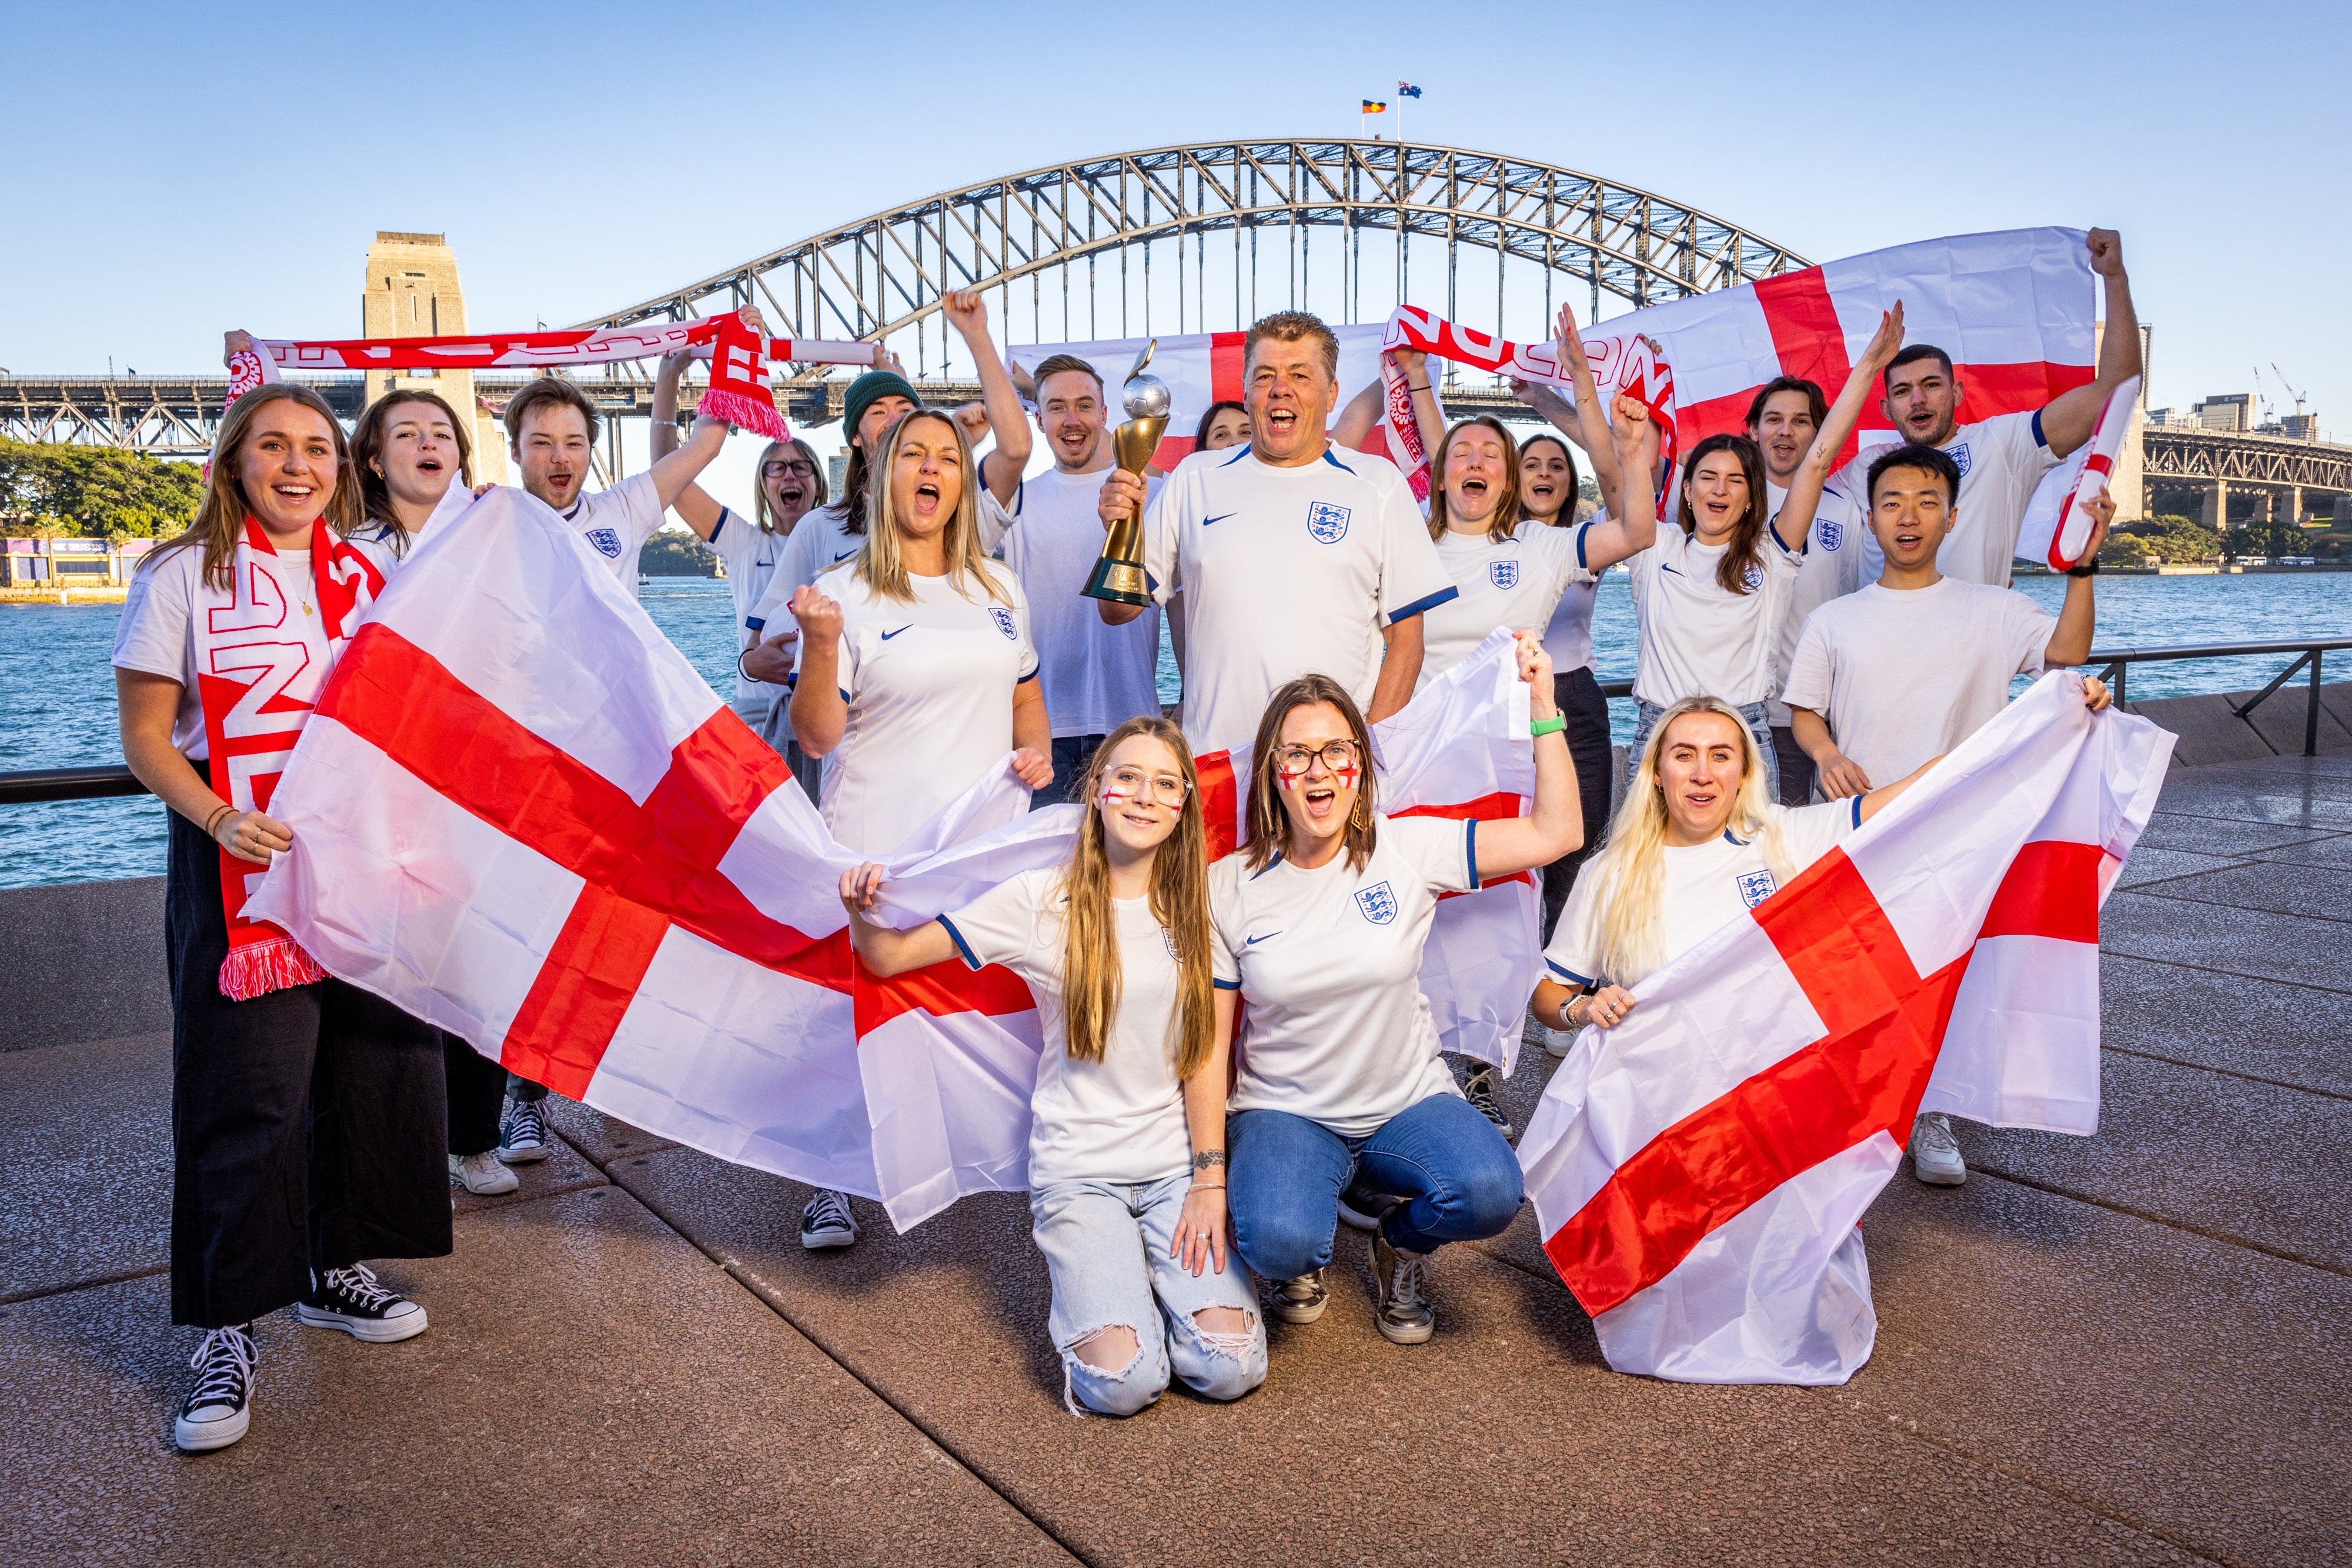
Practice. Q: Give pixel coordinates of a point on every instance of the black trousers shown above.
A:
(1797, 769)
(477, 1095)
(307, 1124)
(1577, 693)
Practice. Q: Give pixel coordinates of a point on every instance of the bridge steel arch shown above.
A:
(887, 272)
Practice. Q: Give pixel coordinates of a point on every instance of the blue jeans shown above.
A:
(1071, 755)
(1458, 1178)
(1107, 1246)
(1760, 724)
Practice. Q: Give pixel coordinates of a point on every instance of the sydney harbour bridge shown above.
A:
(1195, 238)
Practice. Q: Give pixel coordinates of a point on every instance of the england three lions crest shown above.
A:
(1503, 573)
(1830, 531)
(1327, 524)
(607, 542)
(1379, 904)
(1756, 886)
(1003, 618)
(1959, 456)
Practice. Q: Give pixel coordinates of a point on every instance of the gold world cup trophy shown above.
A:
(1118, 572)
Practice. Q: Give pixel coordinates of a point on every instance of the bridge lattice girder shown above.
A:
(2201, 457)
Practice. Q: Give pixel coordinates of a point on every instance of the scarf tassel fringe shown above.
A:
(745, 412)
(260, 968)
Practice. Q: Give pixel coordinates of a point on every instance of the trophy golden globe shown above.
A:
(1118, 572)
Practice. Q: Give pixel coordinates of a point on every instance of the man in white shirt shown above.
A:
(2001, 459)
(1782, 420)
(1095, 676)
(1893, 675)
(1293, 557)
(552, 431)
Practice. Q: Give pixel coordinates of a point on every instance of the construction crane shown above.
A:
(2300, 398)
(2262, 399)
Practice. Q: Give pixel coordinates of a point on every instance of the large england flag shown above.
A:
(521, 816)
(1699, 1170)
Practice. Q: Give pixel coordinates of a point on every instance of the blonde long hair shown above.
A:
(1632, 866)
(880, 564)
(220, 516)
(1179, 903)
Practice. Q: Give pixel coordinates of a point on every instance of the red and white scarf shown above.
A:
(739, 358)
(264, 646)
(1626, 365)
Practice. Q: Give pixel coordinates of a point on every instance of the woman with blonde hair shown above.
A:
(1699, 839)
(307, 1117)
(1127, 1150)
(916, 672)
(1320, 921)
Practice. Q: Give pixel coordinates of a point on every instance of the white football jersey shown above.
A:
(1698, 638)
(2001, 460)
(617, 522)
(1515, 582)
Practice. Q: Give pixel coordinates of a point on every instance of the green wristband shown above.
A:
(1551, 726)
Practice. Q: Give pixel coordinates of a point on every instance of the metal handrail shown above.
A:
(42, 784)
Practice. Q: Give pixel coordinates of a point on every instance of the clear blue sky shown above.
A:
(197, 170)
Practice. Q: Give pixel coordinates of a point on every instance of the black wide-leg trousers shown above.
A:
(1578, 694)
(309, 1124)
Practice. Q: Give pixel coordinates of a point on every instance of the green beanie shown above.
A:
(863, 394)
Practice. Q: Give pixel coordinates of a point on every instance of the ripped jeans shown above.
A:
(1106, 1246)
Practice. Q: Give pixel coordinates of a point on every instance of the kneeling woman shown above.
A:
(1321, 923)
(1699, 840)
(1127, 1155)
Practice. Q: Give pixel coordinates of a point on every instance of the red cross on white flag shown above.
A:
(1698, 1171)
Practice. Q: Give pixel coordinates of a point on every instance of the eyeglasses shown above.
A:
(1339, 756)
(797, 469)
(1161, 788)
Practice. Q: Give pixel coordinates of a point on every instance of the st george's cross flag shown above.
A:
(1698, 1171)
(1459, 749)
(525, 819)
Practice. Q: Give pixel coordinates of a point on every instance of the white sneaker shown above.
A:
(1557, 1041)
(219, 1409)
(1935, 1153)
(482, 1174)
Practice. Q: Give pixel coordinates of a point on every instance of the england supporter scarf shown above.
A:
(739, 392)
(263, 647)
(1626, 363)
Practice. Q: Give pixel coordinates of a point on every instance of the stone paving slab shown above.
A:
(2323, 892)
(2336, 851)
(86, 1182)
(601, 1138)
(2147, 865)
(2222, 1157)
(593, 1390)
(2285, 805)
(2220, 836)
(1502, 1440)
(2282, 1034)
(564, 1170)
(2251, 943)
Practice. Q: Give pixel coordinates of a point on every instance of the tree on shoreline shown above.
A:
(53, 491)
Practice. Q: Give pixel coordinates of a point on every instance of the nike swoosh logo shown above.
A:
(1664, 567)
(1219, 518)
(1254, 941)
(844, 556)
(888, 635)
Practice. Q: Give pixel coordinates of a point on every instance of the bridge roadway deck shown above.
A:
(2127, 1349)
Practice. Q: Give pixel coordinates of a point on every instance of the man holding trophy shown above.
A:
(1295, 556)
(1094, 677)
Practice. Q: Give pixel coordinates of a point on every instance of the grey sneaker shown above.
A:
(827, 1223)
(219, 1409)
(482, 1174)
(1935, 1153)
(1479, 1089)
(1402, 1278)
(524, 1137)
(1300, 1300)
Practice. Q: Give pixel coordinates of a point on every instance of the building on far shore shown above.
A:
(411, 291)
(53, 564)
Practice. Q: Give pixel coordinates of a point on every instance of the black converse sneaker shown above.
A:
(524, 1137)
(1402, 1278)
(216, 1411)
(1479, 1089)
(350, 1300)
(826, 1222)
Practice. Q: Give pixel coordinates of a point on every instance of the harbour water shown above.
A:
(61, 689)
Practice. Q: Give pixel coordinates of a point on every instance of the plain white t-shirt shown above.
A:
(930, 689)
(617, 522)
(1120, 1120)
(1328, 963)
(1095, 676)
(156, 632)
(1829, 569)
(1515, 582)
(2001, 460)
(1903, 675)
(1698, 639)
(1706, 885)
(751, 553)
(1286, 571)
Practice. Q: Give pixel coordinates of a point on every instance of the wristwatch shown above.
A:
(2088, 568)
